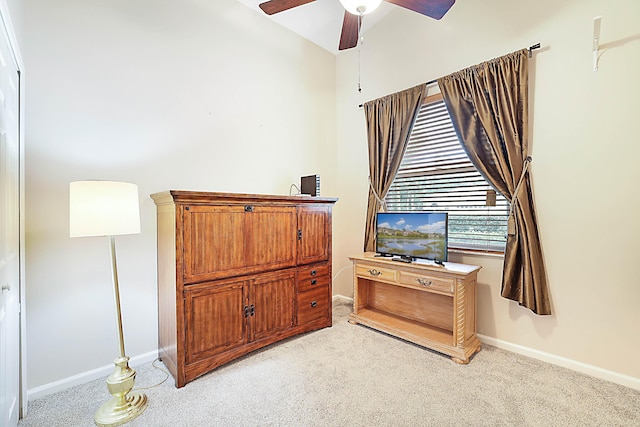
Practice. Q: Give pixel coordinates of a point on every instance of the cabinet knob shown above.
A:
(314, 281)
(375, 272)
(314, 272)
(424, 282)
(314, 303)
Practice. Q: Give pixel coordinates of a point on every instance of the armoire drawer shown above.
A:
(313, 305)
(314, 276)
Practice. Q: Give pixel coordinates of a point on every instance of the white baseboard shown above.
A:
(342, 298)
(85, 377)
(594, 371)
(603, 374)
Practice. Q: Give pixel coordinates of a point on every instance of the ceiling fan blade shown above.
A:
(349, 36)
(435, 9)
(275, 6)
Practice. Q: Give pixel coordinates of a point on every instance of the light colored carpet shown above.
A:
(350, 375)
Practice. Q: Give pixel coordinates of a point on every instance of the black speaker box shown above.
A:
(310, 185)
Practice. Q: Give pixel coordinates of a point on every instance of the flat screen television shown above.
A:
(412, 235)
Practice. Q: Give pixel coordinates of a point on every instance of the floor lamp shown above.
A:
(106, 208)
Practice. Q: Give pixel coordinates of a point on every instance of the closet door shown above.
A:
(9, 236)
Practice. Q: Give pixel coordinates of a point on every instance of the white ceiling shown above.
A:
(320, 21)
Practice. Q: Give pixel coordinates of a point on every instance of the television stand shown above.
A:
(431, 306)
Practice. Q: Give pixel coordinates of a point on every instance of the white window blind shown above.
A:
(436, 175)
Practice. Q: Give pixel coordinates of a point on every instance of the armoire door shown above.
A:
(215, 318)
(314, 234)
(272, 299)
(270, 237)
(226, 241)
(212, 247)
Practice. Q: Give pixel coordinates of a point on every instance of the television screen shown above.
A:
(412, 234)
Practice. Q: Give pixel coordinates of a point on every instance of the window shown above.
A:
(436, 175)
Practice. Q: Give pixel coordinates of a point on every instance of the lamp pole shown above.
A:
(124, 405)
(116, 291)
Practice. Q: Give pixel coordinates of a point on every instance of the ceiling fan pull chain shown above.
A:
(359, 87)
(359, 46)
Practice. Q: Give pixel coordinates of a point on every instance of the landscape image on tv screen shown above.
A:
(412, 234)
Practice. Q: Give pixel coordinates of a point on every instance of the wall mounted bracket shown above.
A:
(596, 41)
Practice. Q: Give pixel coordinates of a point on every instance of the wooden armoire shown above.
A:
(237, 272)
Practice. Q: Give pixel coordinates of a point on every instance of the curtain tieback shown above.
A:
(382, 203)
(511, 225)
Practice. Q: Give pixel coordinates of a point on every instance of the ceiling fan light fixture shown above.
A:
(360, 7)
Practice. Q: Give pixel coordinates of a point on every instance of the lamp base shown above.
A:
(123, 406)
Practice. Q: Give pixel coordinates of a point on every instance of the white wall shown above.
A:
(194, 95)
(585, 148)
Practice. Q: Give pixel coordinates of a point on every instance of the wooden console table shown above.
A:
(431, 306)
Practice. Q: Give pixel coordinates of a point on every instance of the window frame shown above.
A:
(491, 250)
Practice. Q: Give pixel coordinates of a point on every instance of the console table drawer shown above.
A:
(378, 273)
(422, 281)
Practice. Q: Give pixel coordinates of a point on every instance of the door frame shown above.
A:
(6, 25)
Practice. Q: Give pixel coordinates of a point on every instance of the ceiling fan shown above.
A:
(355, 9)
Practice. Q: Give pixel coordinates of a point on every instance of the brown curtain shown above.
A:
(389, 123)
(488, 104)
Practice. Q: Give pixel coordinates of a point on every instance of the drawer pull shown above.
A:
(424, 282)
(314, 303)
(314, 272)
(374, 272)
(314, 281)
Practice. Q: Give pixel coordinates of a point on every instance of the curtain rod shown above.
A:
(430, 82)
(532, 48)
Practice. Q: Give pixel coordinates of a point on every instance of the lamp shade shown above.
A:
(103, 208)
(360, 7)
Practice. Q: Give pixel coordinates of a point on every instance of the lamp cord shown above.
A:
(340, 271)
(294, 186)
(158, 384)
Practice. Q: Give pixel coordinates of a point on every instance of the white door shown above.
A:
(9, 237)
